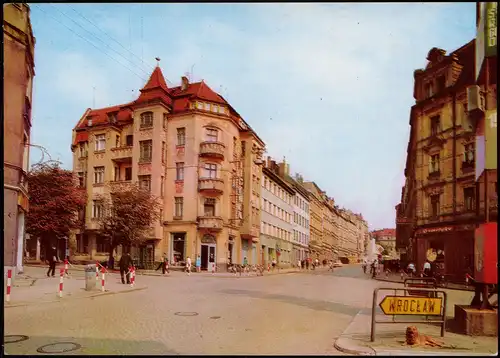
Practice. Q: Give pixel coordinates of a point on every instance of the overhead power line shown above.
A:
(98, 38)
(76, 33)
(149, 67)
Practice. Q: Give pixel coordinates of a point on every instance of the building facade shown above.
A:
(277, 217)
(440, 202)
(190, 148)
(316, 246)
(387, 239)
(19, 72)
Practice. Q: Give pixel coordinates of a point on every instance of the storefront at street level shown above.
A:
(450, 247)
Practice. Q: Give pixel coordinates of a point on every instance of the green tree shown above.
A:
(129, 212)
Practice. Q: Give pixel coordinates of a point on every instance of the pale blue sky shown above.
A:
(329, 86)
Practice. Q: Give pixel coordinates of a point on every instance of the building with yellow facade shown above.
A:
(192, 149)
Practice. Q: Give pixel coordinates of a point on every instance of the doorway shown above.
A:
(207, 256)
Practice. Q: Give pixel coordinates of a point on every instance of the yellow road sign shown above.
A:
(403, 305)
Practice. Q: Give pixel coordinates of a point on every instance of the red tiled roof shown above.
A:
(81, 137)
(384, 232)
(156, 88)
(467, 57)
(156, 80)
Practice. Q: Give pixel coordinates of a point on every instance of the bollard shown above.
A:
(61, 282)
(66, 267)
(103, 281)
(9, 283)
(97, 270)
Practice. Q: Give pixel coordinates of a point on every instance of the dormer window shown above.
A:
(429, 90)
(207, 106)
(112, 118)
(199, 105)
(147, 120)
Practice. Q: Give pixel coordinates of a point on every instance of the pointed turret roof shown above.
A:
(156, 80)
(155, 88)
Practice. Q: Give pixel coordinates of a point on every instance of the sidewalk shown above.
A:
(34, 287)
(396, 278)
(389, 338)
(220, 274)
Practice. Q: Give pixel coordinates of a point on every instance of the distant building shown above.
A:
(387, 239)
(276, 235)
(19, 71)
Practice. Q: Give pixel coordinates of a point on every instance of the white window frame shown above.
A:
(144, 182)
(97, 209)
(212, 135)
(145, 146)
(181, 136)
(179, 171)
(210, 170)
(178, 206)
(100, 142)
(99, 174)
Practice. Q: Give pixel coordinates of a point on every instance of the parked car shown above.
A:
(337, 264)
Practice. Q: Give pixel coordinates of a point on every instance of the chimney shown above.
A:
(287, 169)
(268, 164)
(184, 83)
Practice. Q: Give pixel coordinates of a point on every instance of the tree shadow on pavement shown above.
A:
(316, 305)
(88, 346)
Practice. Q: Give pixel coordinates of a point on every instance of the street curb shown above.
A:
(446, 288)
(343, 344)
(74, 298)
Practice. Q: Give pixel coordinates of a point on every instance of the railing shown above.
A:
(215, 149)
(210, 222)
(121, 152)
(211, 184)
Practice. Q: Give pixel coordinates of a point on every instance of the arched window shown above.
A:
(147, 120)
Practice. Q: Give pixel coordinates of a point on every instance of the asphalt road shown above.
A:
(288, 314)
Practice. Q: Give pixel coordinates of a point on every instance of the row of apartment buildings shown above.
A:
(442, 202)
(221, 200)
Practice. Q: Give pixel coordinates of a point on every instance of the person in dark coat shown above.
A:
(52, 259)
(125, 263)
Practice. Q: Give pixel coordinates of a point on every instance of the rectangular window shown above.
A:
(128, 173)
(117, 173)
(469, 198)
(97, 209)
(100, 142)
(435, 125)
(146, 150)
(147, 120)
(163, 149)
(165, 123)
(434, 206)
(117, 141)
(209, 207)
(129, 140)
(81, 179)
(181, 136)
(161, 216)
(179, 171)
(179, 207)
(162, 186)
(469, 153)
(83, 150)
(210, 170)
(212, 135)
(98, 175)
(145, 182)
(429, 90)
(434, 164)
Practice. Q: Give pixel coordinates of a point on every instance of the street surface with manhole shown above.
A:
(59, 347)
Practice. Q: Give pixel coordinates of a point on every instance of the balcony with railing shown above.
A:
(212, 150)
(213, 186)
(122, 154)
(213, 223)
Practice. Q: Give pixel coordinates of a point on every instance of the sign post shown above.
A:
(403, 305)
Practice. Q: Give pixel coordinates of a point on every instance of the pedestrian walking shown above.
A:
(188, 266)
(52, 260)
(198, 264)
(163, 264)
(308, 260)
(299, 264)
(273, 263)
(125, 263)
